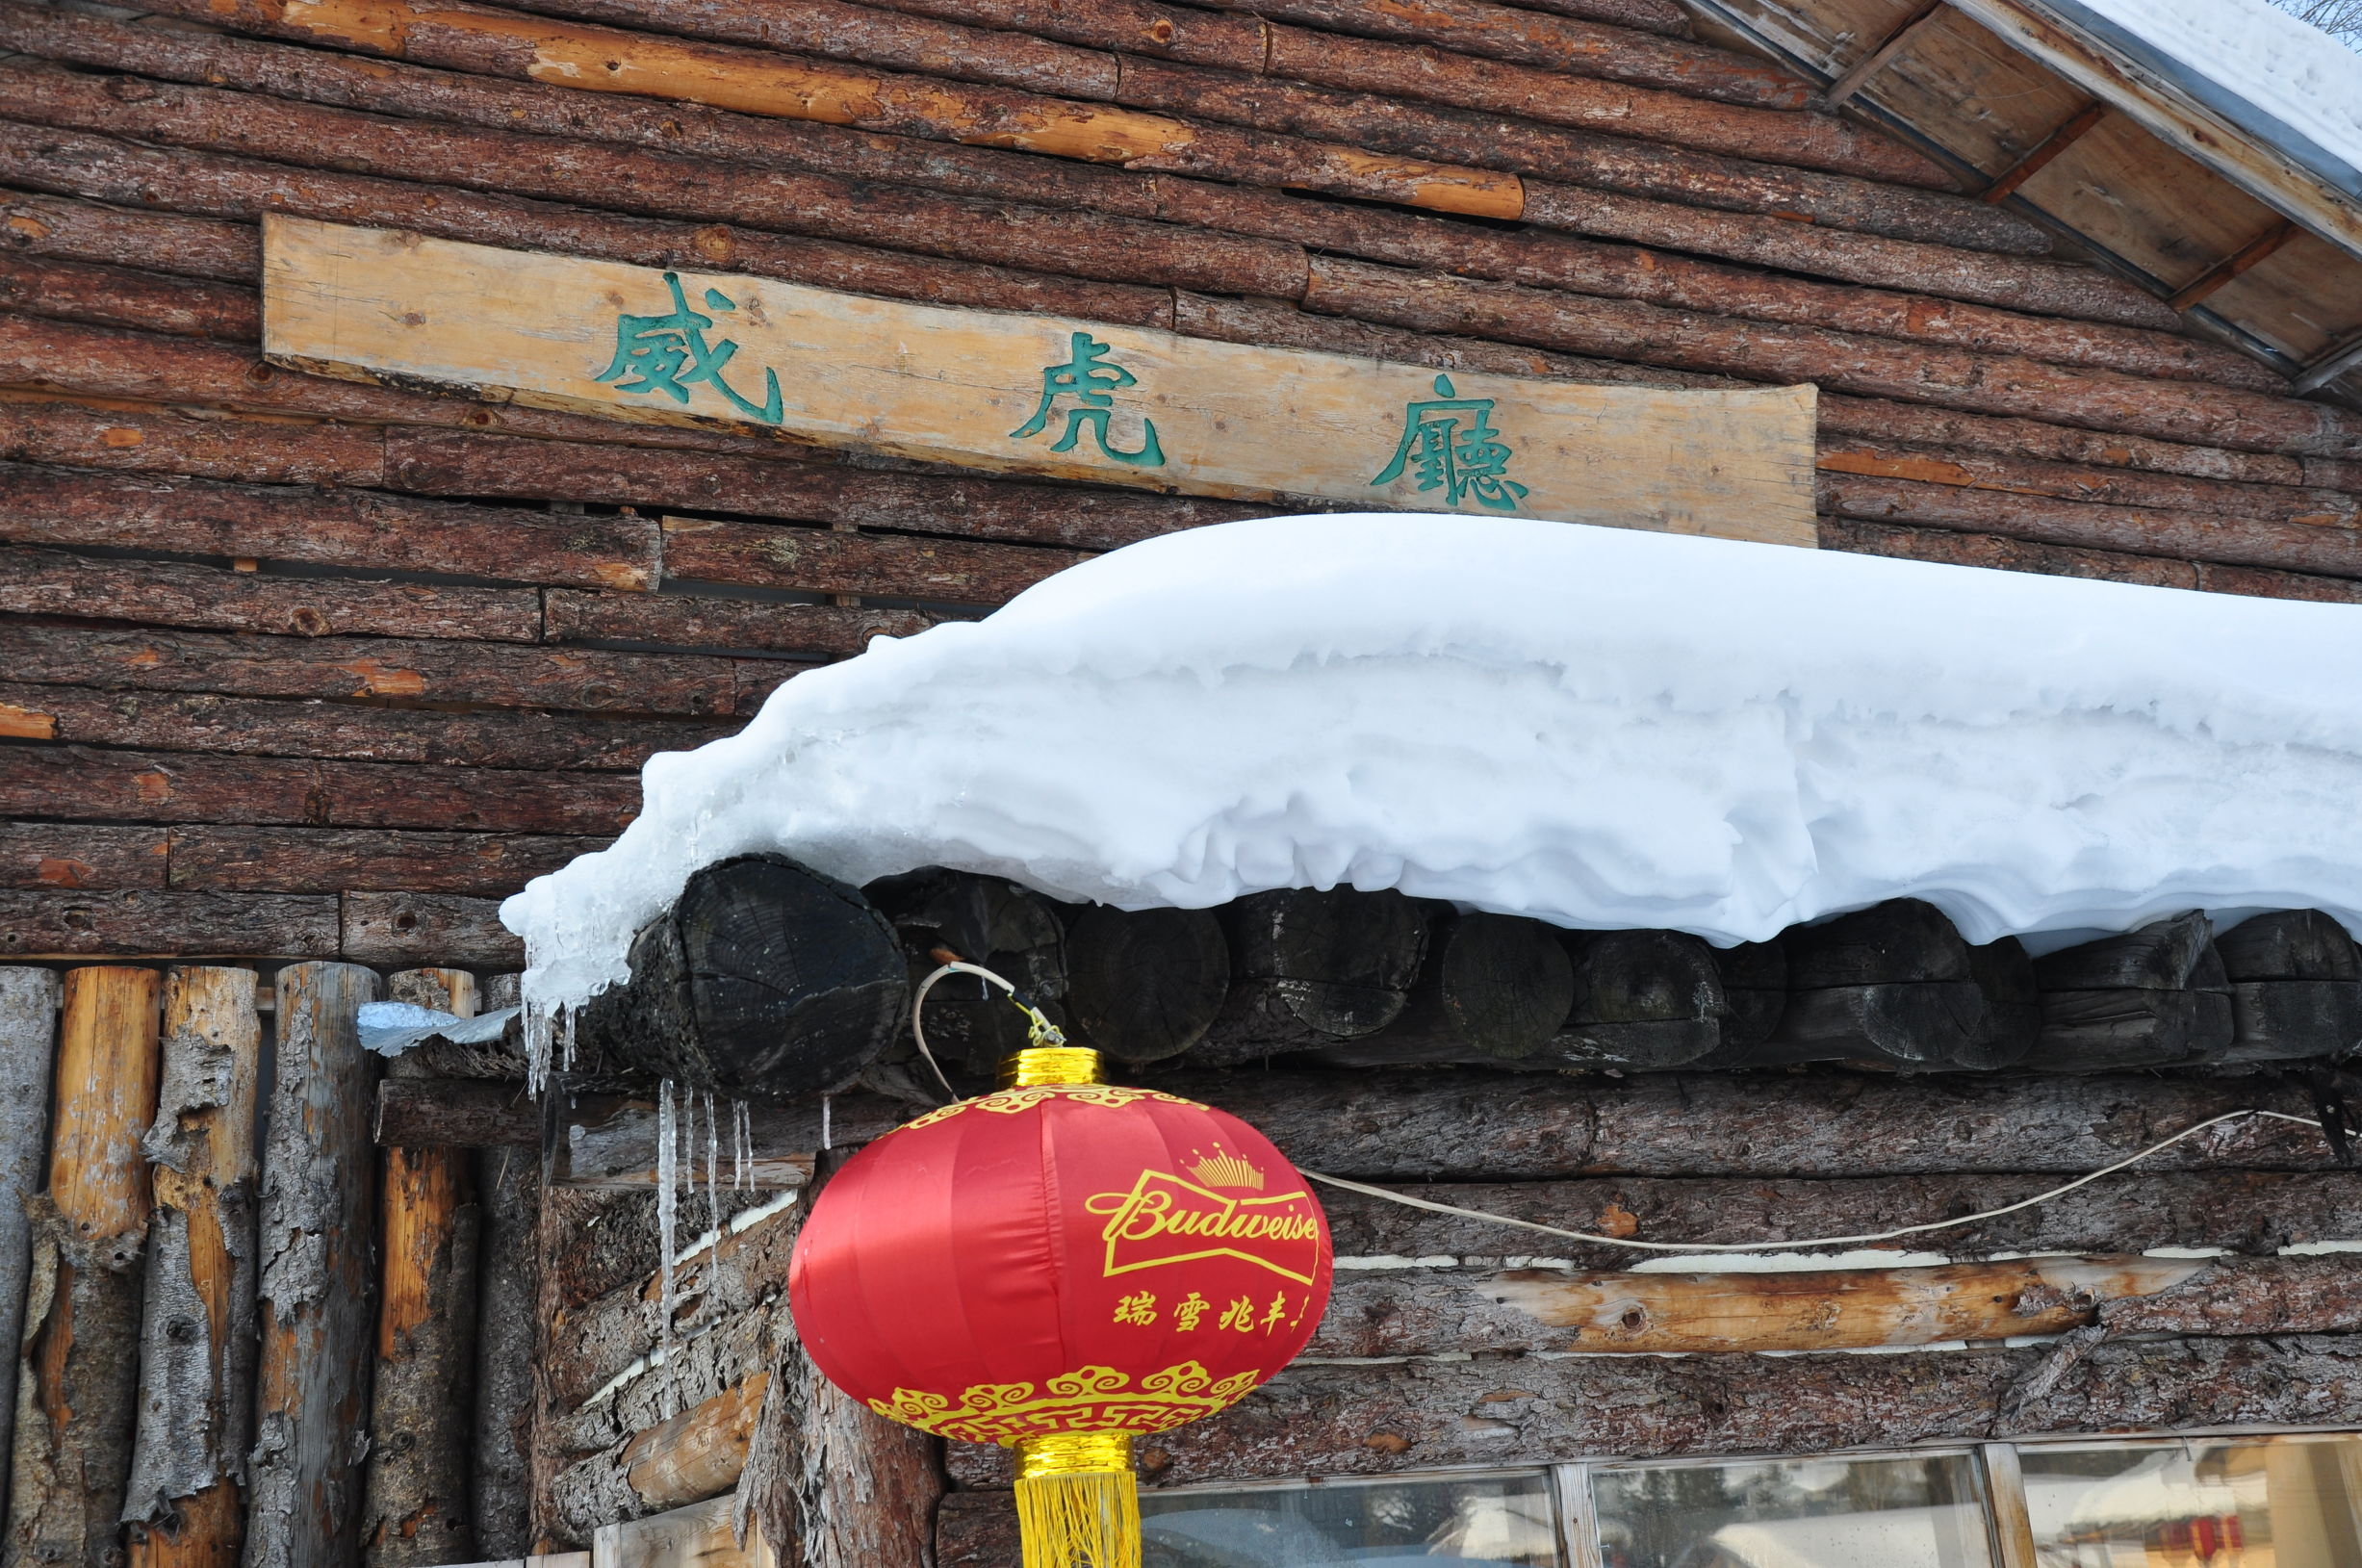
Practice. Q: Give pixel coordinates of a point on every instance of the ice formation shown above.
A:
(1597, 727)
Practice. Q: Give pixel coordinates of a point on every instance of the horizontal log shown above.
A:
(611, 1141)
(59, 923)
(241, 726)
(2279, 1296)
(501, 43)
(706, 1363)
(2297, 547)
(206, 598)
(1443, 1124)
(128, 437)
(687, 1458)
(484, 674)
(1849, 419)
(85, 231)
(312, 861)
(2255, 1213)
(766, 555)
(450, 1113)
(1894, 459)
(681, 620)
(328, 527)
(76, 855)
(1427, 1312)
(88, 785)
(2103, 400)
(426, 928)
(116, 296)
(1364, 1419)
(2022, 555)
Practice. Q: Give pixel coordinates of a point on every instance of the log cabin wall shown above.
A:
(310, 673)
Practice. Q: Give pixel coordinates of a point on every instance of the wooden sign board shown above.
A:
(1031, 394)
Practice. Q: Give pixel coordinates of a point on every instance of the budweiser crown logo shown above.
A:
(1225, 1170)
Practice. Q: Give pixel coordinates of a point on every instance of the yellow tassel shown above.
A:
(1078, 1506)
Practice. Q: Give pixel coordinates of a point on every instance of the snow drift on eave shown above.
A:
(1596, 727)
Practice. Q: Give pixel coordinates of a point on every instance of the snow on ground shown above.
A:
(1597, 727)
(2272, 73)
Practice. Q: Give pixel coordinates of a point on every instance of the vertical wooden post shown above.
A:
(507, 1326)
(77, 1389)
(422, 1411)
(196, 1340)
(319, 1289)
(28, 1039)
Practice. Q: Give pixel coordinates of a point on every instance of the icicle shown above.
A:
(566, 1023)
(713, 1175)
(537, 1042)
(741, 1146)
(826, 1143)
(668, 1198)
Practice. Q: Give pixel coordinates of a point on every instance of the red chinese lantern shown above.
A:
(1059, 1267)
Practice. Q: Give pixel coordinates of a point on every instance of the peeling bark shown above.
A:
(28, 1040)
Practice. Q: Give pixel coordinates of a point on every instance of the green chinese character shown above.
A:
(670, 354)
(1089, 380)
(1451, 443)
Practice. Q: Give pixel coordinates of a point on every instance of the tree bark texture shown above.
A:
(318, 1295)
(61, 923)
(686, 1459)
(197, 1343)
(77, 1389)
(508, 1337)
(29, 1001)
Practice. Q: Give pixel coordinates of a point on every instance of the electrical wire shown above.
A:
(1785, 1242)
(1040, 1030)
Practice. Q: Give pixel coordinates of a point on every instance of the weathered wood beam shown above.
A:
(2332, 363)
(2073, 130)
(1414, 1415)
(2255, 252)
(29, 1001)
(1428, 1312)
(1883, 53)
(197, 1340)
(318, 1292)
(687, 1458)
(77, 1387)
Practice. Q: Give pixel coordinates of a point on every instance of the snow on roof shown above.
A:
(1597, 727)
(2283, 81)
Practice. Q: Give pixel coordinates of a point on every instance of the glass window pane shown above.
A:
(2195, 1503)
(1915, 1511)
(1480, 1522)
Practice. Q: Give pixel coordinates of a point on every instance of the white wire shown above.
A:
(1409, 1201)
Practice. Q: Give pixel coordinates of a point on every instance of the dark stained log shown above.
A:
(228, 859)
(60, 922)
(85, 231)
(764, 978)
(686, 620)
(611, 1142)
(117, 296)
(1143, 984)
(2254, 1212)
(1363, 1419)
(1755, 983)
(2295, 990)
(77, 1383)
(1011, 930)
(1427, 1125)
(506, 1340)
(196, 1349)
(207, 598)
(455, 1113)
(2246, 540)
(1429, 1311)
(436, 670)
(826, 560)
(1493, 988)
(70, 163)
(1642, 1000)
(1897, 983)
(63, 855)
(1844, 362)
(2082, 482)
(158, 787)
(330, 528)
(250, 726)
(2146, 998)
(29, 1001)
(425, 928)
(1311, 967)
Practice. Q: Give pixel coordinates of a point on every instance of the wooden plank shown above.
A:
(78, 1382)
(196, 1351)
(223, 859)
(243, 726)
(337, 299)
(60, 855)
(486, 674)
(700, 1535)
(29, 1001)
(428, 928)
(60, 923)
(2150, 205)
(2251, 254)
(1881, 55)
(318, 1296)
(207, 598)
(2304, 299)
(2038, 157)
